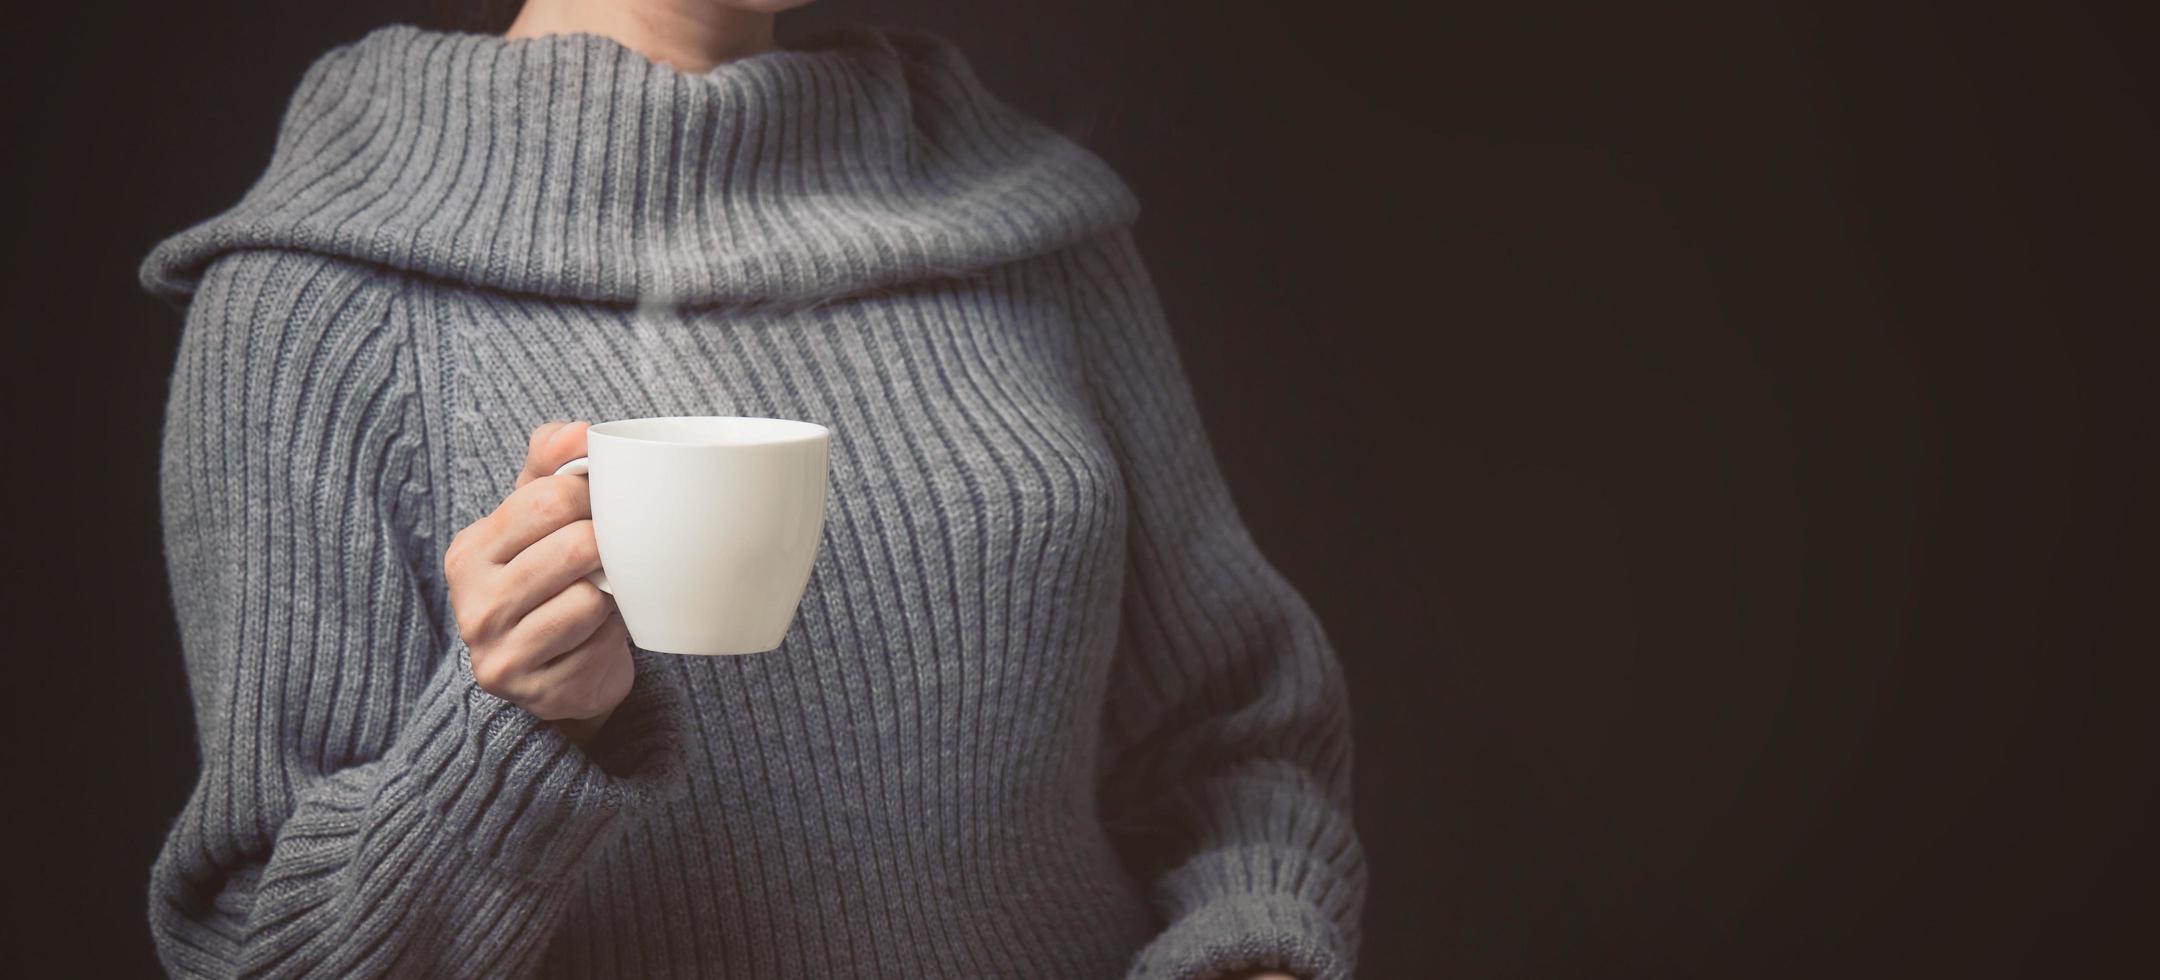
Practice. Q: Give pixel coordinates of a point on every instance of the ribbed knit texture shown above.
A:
(1045, 710)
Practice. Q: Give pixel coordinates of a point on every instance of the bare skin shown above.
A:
(688, 35)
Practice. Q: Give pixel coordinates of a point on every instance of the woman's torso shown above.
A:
(857, 234)
(904, 785)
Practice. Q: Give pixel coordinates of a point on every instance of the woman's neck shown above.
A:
(689, 35)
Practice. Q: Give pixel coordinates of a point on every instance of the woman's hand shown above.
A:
(542, 637)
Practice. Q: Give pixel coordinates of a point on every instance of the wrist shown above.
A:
(584, 730)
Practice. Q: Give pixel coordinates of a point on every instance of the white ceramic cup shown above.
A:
(707, 526)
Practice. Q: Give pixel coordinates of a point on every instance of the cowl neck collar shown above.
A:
(571, 166)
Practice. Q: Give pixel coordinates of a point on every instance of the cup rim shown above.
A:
(784, 431)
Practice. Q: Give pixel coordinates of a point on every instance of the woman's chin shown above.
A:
(768, 6)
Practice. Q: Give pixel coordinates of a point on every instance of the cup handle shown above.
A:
(582, 466)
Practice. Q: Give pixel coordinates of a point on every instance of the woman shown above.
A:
(1045, 710)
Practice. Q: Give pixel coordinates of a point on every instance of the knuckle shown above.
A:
(590, 602)
(550, 504)
(453, 558)
(515, 577)
(460, 554)
(465, 611)
(570, 496)
(585, 546)
(548, 509)
(491, 673)
(486, 615)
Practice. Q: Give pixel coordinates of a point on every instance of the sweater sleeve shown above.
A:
(363, 808)
(1225, 767)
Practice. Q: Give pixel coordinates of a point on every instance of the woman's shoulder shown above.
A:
(328, 105)
(269, 299)
(189, 271)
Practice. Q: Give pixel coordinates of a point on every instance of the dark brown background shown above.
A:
(1717, 435)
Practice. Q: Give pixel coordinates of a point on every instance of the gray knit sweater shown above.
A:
(1045, 710)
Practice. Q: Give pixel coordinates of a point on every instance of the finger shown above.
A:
(583, 680)
(570, 618)
(548, 566)
(611, 634)
(564, 444)
(530, 513)
(567, 619)
(539, 437)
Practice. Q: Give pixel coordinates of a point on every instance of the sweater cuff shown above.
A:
(519, 794)
(1232, 935)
